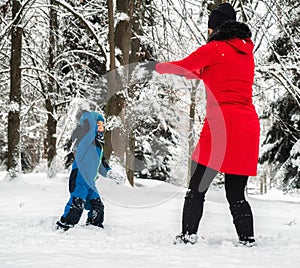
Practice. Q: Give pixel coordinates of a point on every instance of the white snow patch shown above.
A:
(139, 229)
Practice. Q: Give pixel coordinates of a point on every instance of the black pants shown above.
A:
(201, 177)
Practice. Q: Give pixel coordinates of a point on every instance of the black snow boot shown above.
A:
(186, 239)
(243, 221)
(61, 225)
(73, 216)
(96, 213)
(192, 213)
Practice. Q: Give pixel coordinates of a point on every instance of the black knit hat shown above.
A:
(220, 14)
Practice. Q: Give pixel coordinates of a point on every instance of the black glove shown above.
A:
(105, 163)
(149, 65)
(69, 159)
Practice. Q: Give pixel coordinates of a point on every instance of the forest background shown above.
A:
(56, 54)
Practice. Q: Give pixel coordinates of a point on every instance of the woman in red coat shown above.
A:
(229, 139)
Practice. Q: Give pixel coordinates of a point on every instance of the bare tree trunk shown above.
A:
(114, 139)
(130, 136)
(111, 34)
(130, 159)
(134, 30)
(123, 31)
(14, 150)
(191, 124)
(133, 42)
(50, 99)
(129, 44)
(114, 142)
(108, 148)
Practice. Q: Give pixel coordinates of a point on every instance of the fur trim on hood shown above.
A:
(230, 30)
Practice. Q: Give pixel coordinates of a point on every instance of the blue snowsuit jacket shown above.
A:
(88, 157)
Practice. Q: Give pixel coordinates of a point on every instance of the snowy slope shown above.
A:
(139, 227)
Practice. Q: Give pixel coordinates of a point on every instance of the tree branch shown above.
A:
(86, 24)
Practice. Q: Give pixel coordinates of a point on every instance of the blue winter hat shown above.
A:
(98, 116)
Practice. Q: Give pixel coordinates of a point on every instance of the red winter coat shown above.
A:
(229, 140)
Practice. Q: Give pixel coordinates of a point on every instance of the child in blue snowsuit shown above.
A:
(88, 163)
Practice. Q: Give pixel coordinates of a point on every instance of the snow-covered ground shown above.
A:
(139, 228)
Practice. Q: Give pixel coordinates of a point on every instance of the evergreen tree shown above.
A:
(157, 142)
(282, 144)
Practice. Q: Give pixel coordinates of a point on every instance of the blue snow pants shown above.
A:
(83, 196)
